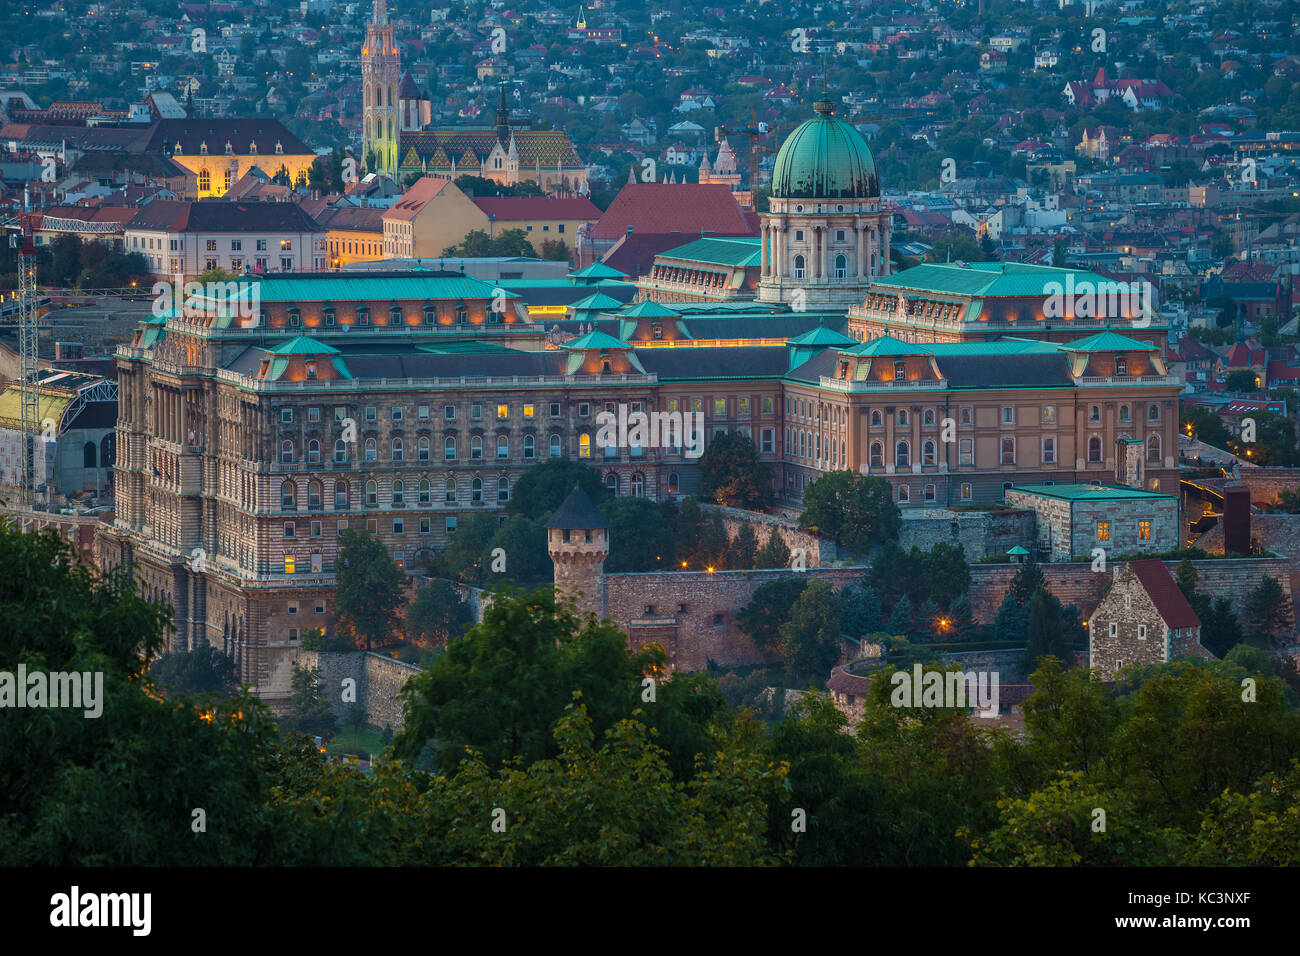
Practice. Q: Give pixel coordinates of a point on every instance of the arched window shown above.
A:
(422, 448)
(877, 459)
(927, 417)
(397, 449)
(313, 452)
(476, 447)
(88, 455)
(314, 495)
(288, 496)
(449, 448)
(503, 446)
(205, 180)
(606, 368)
(902, 455)
(673, 483)
(928, 452)
(286, 452)
(449, 491)
(638, 485)
(340, 451)
(503, 489)
(399, 491)
(1153, 413)
(106, 449)
(1094, 448)
(1153, 448)
(372, 450)
(800, 267)
(530, 447)
(611, 482)
(584, 445)
(903, 417)
(1124, 415)
(877, 420)
(841, 267)
(340, 495)
(476, 489)
(372, 494)
(554, 450)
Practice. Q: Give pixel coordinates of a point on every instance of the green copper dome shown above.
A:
(824, 158)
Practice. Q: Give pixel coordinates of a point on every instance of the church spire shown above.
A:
(381, 12)
(503, 116)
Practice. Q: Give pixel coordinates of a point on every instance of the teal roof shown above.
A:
(303, 345)
(1017, 550)
(888, 345)
(1108, 341)
(649, 309)
(597, 270)
(824, 158)
(737, 253)
(983, 279)
(345, 287)
(821, 337)
(597, 301)
(595, 340)
(1090, 492)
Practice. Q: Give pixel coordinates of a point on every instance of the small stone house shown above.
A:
(1144, 619)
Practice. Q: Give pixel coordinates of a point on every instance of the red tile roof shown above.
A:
(687, 208)
(416, 198)
(1163, 589)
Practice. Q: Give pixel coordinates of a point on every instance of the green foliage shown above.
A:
(768, 611)
(774, 553)
(370, 591)
(903, 620)
(1048, 631)
(1012, 620)
(437, 614)
(640, 535)
(857, 511)
(861, 608)
(468, 545)
(813, 636)
(204, 670)
(477, 244)
(1267, 609)
(743, 550)
(940, 575)
(1242, 380)
(542, 488)
(519, 548)
(309, 712)
(732, 474)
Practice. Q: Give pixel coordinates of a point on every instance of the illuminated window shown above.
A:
(288, 564)
(1144, 530)
(503, 411)
(584, 446)
(1103, 530)
(528, 411)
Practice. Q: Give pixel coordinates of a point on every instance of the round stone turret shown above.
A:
(577, 537)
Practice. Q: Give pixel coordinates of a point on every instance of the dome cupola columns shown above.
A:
(824, 236)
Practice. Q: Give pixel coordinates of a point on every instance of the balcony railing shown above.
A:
(873, 385)
(458, 381)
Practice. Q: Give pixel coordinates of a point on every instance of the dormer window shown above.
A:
(177, 150)
(1121, 365)
(230, 149)
(311, 368)
(900, 370)
(252, 149)
(279, 148)
(844, 370)
(203, 148)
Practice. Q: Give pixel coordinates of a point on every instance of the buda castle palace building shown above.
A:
(401, 404)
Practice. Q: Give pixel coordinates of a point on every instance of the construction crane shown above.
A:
(754, 131)
(28, 357)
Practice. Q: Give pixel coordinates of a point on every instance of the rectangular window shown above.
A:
(528, 411)
(426, 525)
(555, 409)
(372, 525)
(316, 565)
(476, 412)
(1142, 632)
(340, 527)
(399, 526)
(286, 415)
(423, 413)
(767, 405)
(396, 414)
(768, 441)
(1049, 414)
(1049, 450)
(1114, 629)
(290, 529)
(1103, 530)
(449, 412)
(742, 405)
(697, 404)
(315, 529)
(1008, 415)
(371, 413)
(289, 564)
(966, 451)
(1144, 530)
(966, 491)
(313, 415)
(1008, 451)
(450, 523)
(503, 411)
(720, 406)
(584, 409)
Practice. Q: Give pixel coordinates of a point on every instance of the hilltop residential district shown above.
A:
(798, 342)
